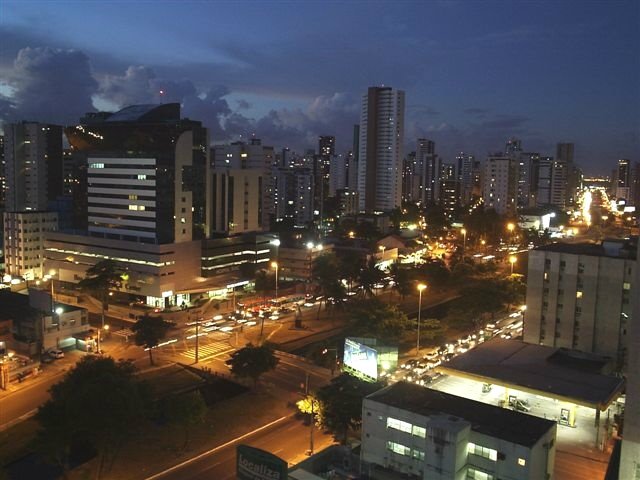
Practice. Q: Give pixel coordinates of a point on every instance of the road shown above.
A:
(288, 439)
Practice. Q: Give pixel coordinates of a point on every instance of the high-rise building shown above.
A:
(500, 184)
(527, 164)
(381, 149)
(253, 156)
(3, 175)
(148, 188)
(338, 174)
(427, 170)
(541, 180)
(630, 455)
(355, 156)
(579, 297)
(623, 180)
(464, 166)
(236, 201)
(293, 195)
(327, 146)
(34, 171)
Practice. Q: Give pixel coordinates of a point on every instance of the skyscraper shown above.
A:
(381, 149)
(465, 177)
(33, 168)
(500, 184)
(624, 182)
(427, 170)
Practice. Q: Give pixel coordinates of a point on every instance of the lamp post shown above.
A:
(512, 260)
(511, 227)
(275, 265)
(464, 240)
(483, 242)
(105, 328)
(421, 287)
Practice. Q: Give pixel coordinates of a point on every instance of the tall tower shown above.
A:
(381, 149)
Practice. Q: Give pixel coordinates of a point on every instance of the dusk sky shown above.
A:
(475, 72)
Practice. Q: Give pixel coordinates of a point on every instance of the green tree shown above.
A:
(402, 282)
(310, 405)
(370, 275)
(99, 403)
(185, 410)
(326, 273)
(375, 318)
(252, 362)
(99, 279)
(149, 332)
(341, 404)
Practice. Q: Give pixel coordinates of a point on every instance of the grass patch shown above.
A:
(157, 447)
(170, 379)
(17, 441)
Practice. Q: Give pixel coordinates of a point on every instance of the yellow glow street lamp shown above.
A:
(275, 265)
(421, 287)
(512, 260)
(511, 227)
(464, 240)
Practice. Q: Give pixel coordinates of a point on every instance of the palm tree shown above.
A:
(99, 279)
(325, 273)
(401, 279)
(370, 276)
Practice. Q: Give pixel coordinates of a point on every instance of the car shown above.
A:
(56, 353)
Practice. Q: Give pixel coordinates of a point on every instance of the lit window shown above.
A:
(96, 165)
(481, 451)
(419, 431)
(142, 176)
(418, 454)
(398, 425)
(522, 462)
(578, 294)
(626, 286)
(398, 448)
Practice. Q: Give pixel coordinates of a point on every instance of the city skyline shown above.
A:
(477, 76)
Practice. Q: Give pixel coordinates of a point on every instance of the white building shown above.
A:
(237, 203)
(432, 435)
(500, 184)
(252, 156)
(338, 174)
(381, 149)
(24, 242)
(579, 297)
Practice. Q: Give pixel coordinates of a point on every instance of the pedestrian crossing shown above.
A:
(209, 350)
(125, 332)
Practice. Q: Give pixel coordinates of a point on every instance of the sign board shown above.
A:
(255, 464)
(361, 358)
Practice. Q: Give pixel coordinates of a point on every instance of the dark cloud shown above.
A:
(422, 110)
(50, 85)
(513, 123)
(243, 105)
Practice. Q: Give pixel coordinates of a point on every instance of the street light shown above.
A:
(421, 287)
(464, 240)
(382, 248)
(275, 265)
(511, 227)
(105, 328)
(512, 260)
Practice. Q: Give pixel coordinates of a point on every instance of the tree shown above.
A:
(262, 283)
(310, 405)
(375, 318)
(401, 279)
(185, 410)
(326, 273)
(341, 404)
(99, 279)
(149, 332)
(350, 266)
(252, 362)
(98, 403)
(370, 276)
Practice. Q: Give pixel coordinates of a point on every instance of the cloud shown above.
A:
(505, 123)
(422, 110)
(243, 104)
(476, 111)
(50, 85)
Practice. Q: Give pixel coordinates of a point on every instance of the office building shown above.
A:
(579, 297)
(624, 180)
(293, 195)
(528, 162)
(148, 185)
(381, 149)
(33, 168)
(236, 205)
(236, 258)
(338, 173)
(427, 169)
(500, 184)
(253, 156)
(409, 430)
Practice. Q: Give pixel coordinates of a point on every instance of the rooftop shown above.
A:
(547, 371)
(614, 248)
(515, 427)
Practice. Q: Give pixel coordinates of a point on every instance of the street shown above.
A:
(290, 436)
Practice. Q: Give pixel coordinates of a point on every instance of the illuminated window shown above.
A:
(398, 425)
(96, 165)
(398, 448)
(473, 474)
(418, 454)
(481, 451)
(522, 462)
(419, 431)
(133, 197)
(137, 207)
(142, 176)
(578, 294)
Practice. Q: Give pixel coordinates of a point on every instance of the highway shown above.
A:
(289, 436)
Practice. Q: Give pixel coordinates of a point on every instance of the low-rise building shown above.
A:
(296, 263)
(412, 430)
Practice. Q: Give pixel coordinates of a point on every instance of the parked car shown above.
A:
(56, 353)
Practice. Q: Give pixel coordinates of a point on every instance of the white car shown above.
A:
(56, 353)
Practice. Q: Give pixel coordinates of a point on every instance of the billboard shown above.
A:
(361, 358)
(255, 464)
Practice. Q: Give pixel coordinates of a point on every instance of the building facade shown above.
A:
(381, 149)
(432, 435)
(24, 242)
(500, 184)
(579, 297)
(236, 204)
